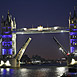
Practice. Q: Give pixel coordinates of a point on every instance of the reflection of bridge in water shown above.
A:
(9, 56)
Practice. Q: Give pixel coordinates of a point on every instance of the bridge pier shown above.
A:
(14, 63)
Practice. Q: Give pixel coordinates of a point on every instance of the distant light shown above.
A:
(25, 28)
(2, 69)
(73, 61)
(55, 28)
(40, 28)
(60, 49)
(30, 38)
(61, 30)
(7, 69)
(23, 50)
(2, 63)
(60, 71)
(68, 54)
(7, 63)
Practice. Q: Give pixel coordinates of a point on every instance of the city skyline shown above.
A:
(46, 13)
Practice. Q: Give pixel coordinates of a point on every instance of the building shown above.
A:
(9, 56)
(73, 33)
(8, 37)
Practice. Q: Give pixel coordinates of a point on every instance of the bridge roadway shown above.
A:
(40, 29)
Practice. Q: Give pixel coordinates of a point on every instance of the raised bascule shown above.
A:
(9, 57)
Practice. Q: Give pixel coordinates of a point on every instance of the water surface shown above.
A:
(33, 71)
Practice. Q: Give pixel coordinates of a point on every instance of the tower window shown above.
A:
(75, 36)
(74, 26)
(72, 21)
(75, 43)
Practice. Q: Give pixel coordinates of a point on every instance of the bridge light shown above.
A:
(55, 28)
(2, 62)
(40, 28)
(73, 61)
(60, 49)
(68, 54)
(61, 30)
(72, 21)
(7, 63)
(25, 29)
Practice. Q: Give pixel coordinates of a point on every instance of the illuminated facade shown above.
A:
(9, 57)
(8, 37)
(73, 33)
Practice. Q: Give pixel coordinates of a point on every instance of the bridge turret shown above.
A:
(74, 11)
(73, 33)
(8, 38)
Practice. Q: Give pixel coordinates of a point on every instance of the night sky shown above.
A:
(40, 12)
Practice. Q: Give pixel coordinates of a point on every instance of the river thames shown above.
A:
(33, 71)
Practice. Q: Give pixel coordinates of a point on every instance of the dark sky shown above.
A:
(40, 12)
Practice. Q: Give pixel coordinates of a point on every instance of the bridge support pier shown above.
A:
(14, 63)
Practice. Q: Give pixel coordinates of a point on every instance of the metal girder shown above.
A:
(40, 29)
(37, 32)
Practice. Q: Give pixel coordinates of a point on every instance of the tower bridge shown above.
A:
(9, 55)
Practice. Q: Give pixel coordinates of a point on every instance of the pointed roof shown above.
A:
(8, 16)
(74, 12)
(8, 12)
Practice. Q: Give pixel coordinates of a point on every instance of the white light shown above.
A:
(2, 69)
(30, 38)
(25, 72)
(7, 69)
(7, 63)
(23, 50)
(61, 30)
(55, 28)
(60, 71)
(25, 28)
(1, 63)
(60, 49)
(73, 61)
(40, 28)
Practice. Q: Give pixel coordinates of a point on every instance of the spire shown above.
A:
(8, 16)
(14, 23)
(8, 12)
(74, 12)
(70, 15)
(14, 20)
(2, 17)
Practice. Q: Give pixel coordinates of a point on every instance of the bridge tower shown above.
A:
(9, 56)
(73, 33)
(8, 37)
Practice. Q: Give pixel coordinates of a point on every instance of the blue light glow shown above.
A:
(72, 40)
(9, 27)
(71, 24)
(13, 31)
(7, 43)
(7, 36)
(72, 49)
(7, 32)
(4, 51)
(5, 27)
(10, 51)
(4, 72)
(74, 29)
(73, 33)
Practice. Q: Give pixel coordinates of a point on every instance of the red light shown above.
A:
(67, 54)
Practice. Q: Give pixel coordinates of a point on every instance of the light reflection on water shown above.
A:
(33, 72)
(60, 71)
